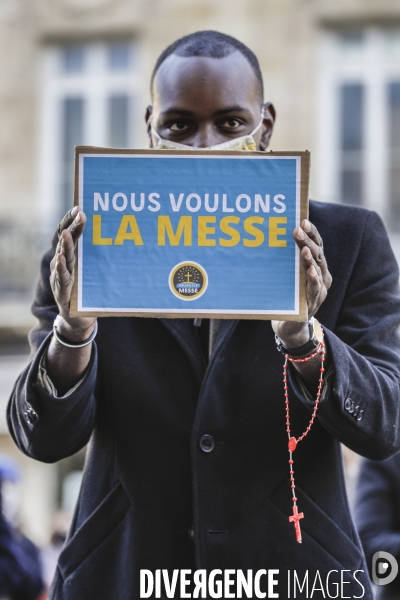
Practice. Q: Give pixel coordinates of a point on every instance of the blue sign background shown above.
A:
(240, 278)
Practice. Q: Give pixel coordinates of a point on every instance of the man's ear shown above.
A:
(268, 125)
(149, 112)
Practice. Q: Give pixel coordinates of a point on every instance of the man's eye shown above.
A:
(231, 123)
(178, 126)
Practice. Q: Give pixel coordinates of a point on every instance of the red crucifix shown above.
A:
(295, 518)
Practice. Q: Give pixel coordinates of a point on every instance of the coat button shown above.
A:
(191, 533)
(32, 414)
(349, 405)
(29, 414)
(207, 443)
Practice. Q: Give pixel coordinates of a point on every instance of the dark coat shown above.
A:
(148, 399)
(377, 514)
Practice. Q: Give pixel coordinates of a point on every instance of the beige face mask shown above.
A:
(245, 142)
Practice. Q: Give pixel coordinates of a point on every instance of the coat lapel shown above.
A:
(225, 331)
(184, 333)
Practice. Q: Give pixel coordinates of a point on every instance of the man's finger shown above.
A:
(62, 282)
(312, 232)
(67, 219)
(68, 249)
(63, 276)
(78, 225)
(313, 282)
(309, 262)
(315, 295)
(317, 285)
(303, 240)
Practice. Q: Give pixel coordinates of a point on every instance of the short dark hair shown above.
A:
(211, 44)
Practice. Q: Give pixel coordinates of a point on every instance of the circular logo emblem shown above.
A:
(188, 280)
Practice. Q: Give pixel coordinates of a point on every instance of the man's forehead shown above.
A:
(181, 80)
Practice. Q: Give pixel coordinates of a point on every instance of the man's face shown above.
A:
(202, 102)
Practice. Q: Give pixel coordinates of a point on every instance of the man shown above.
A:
(187, 464)
(377, 516)
(21, 576)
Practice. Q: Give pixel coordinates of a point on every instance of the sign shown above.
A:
(190, 234)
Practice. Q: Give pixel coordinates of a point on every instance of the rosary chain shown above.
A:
(292, 444)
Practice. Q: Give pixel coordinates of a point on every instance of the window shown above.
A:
(72, 111)
(73, 58)
(351, 142)
(358, 127)
(120, 56)
(118, 120)
(89, 94)
(394, 149)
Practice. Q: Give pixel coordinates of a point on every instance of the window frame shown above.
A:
(95, 84)
(373, 69)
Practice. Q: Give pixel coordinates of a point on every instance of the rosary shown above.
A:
(292, 444)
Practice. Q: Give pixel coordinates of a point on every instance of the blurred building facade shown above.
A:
(77, 72)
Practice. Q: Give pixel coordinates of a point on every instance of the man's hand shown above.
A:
(62, 275)
(66, 366)
(294, 333)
